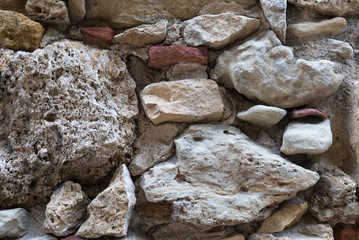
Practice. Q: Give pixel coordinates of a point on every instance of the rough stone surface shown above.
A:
(66, 210)
(234, 237)
(261, 115)
(143, 35)
(44, 237)
(19, 32)
(102, 33)
(346, 234)
(275, 12)
(110, 212)
(341, 48)
(13, 223)
(310, 138)
(48, 11)
(186, 70)
(332, 8)
(219, 177)
(13, 5)
(189, 100)
(77, 10)
(78, 101)
(333, 198)
(51, 35)
(264, 69)
(333, 26)
(222, 7)
(217, 31)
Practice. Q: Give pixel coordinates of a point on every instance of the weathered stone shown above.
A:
(13, 5)
(222, 7)
(285, 217)
(217, 31)
(322, 231)
(310, 138)
(235, 237)
(353, 128)
(333, 198)
(275, 12)
(134, 236)
(66, 210)
(48, 11)
(189, 100)
(143, 35)
(73, 238)
(267, 236)
(261, 115)
(186, 70)
(103, 33)
(174, 33)
(77, 10)
(168, 55)
(334, 26)
(220, 177)
(110, 212)
(346, 234)
(340, 48)
(44, 237)
(333, 8)
(13, 223)
(264, 69)
(51, 35)
(79, 101)
(19, 32)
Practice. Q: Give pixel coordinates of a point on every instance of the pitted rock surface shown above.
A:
(48, 11)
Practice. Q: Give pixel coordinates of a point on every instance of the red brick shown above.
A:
(104, 33)
(162, 56)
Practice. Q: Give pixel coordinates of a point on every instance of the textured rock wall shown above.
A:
(182, 119)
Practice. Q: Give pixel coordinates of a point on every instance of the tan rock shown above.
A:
(341, 49)
(222, 7)
(186, 70)
(143, 35)
(13, 5)
(19, 32)
(332, 8)
(77, 10)
(234, 237)
(110, 212)
(334, 26)
(48, 11)
(189, 100)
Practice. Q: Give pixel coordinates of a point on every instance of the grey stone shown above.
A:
(51, 35)
(341, 48)
(13, 223)
(77, 10)
(261, 115)
(275, 12)
(186, 71)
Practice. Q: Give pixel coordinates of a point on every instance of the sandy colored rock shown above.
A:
(261, 115)
(217, 31)
(51, 35)
(186, 71)
(234, 237)
(334, 26)
(66, 210)
(331, 8)
(275, 12)
(309, 138)
(143, 35)
(341, 48)
(110, 212)
(222, 7)
(77, 10)
(264, 69)
(48, 11)
(220, 177)
(189, 100)
(19, 32)
(13, 223)
(13, 5)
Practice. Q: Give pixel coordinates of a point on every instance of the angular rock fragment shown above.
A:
(220, 177)
(235, 237)
(110, 212)
(66, 210)
(309, 138)
(168, 55)
(19, 32)
(77, 10)
(261, 115)
(264, 69)
(186, 71)
(13, 223)
(217, 31)
(275, 12)
(222, 7)
(103, 33)
(143, 35)
(332, 8)
(334, 26)
(340, 48)
(189, 100)
(48, 11)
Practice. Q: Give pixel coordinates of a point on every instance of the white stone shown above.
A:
(13, 223)
(188, 100)
(48, 11)
(275, 12)
(264, 69)
(263, 116)
(77, 10)
(310, 138)
(217, 31)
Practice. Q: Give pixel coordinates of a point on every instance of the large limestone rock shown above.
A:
(261, 115)
(66, 113)
(188, 100)
(333, 8)
(66, 210)
(19, 32)
(217, 31)
(220, 177)
(13, 223)
(48, 11)
(264, 69)
(110, 212)
(275, 12)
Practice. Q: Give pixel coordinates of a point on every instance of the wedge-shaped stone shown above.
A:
(275, 12)
(189, 100)
(264, 69)
(217, 31)
(261, 115)
(14, 223)
(219, 176)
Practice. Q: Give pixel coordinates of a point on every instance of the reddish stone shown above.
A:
(104, 33)
(308, 112)
(73, 238)
(163, 56)
(346, 234)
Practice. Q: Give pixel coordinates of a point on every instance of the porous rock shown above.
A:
(189, 100)
(13, 223)
(79, 102)
(77, 10)
(261, 115)
(48, 11)
(66, 210)
(186, 71)
(275, 12)
(220, 177)
(264, 69)
(217, 31)
(110, 212)
(332, 8)
(310, 138)
(143, 35)
(19, 32)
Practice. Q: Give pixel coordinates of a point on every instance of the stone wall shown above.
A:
(171, 119)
